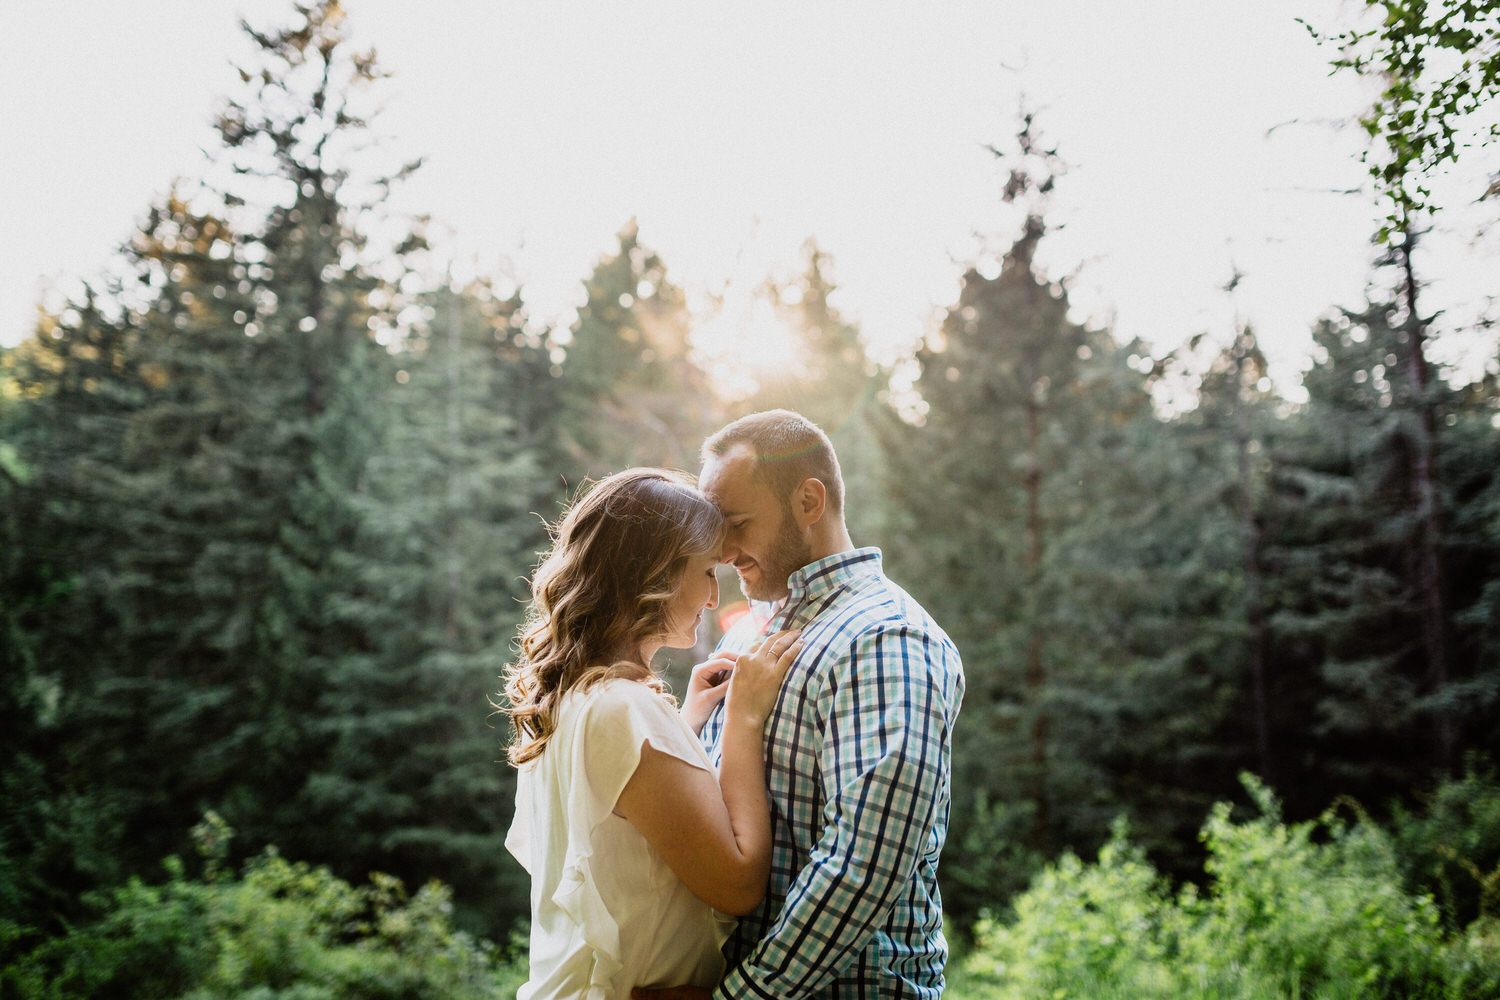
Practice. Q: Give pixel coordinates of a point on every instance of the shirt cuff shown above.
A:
(738, 986)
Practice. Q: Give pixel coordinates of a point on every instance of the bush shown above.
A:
(282, 931)
(1080, 930)
(1315, 916)
(986, 857)
(1307, 910)
(1451, 849)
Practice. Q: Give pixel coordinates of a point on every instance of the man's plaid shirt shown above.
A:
(857, 766)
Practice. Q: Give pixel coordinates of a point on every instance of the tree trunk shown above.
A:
(1036, 669)
(1250, 539)
(454, 497)
(1427, 510)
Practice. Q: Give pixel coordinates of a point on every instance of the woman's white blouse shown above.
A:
(607, 914)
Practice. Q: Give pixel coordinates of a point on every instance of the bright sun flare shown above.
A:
(745, 343)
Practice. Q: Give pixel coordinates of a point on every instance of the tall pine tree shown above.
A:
(831, 380)
(416, 783)
(1366, 567)
(199, 436)
(631, 393)
(1025, 408)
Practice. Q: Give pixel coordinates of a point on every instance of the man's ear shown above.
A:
(809, 502)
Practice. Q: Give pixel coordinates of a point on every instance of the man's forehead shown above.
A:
(731, 477)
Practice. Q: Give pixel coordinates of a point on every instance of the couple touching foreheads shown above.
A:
(803, 784)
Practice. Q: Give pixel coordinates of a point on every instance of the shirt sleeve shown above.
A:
(600, 748)
(884, 765)
(605, 746)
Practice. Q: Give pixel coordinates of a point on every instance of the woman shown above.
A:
(631, 843)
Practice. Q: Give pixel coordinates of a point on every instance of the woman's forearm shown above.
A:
(742, 781)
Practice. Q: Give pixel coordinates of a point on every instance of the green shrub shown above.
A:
(1316, 909)
(986, 858)
(1475, 960)
(1310, 910)
(282, 931)
(1079, 931)
(1451, 849)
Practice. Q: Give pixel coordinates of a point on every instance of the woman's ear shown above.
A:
(809, 502)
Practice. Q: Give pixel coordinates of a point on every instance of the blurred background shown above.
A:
(1157, 348)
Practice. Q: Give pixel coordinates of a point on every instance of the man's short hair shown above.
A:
(788, 449)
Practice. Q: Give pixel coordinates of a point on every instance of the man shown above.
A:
(858, 747)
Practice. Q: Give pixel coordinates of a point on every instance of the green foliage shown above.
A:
(281, 931)
(1318, 917)
(1450, 848)
(1090, 594)
(987, 857)
(232, 589)
(1109, 923)
(630, 392)
(433, 582)
(1346, 541)
(267, 506)
(1438, 67)
(1315, 909)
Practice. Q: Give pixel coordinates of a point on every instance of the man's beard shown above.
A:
(789, 553)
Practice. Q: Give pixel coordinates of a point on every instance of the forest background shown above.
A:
(269, 498)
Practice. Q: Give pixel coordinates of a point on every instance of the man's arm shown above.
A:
(884, 763)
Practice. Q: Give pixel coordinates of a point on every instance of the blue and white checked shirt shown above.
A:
(857, 766)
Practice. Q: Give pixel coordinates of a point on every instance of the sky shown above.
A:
(1199, 138)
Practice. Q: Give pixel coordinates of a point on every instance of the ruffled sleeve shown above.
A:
(602, 741)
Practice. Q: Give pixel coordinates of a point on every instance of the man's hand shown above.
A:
(671, 993)
(706, 688)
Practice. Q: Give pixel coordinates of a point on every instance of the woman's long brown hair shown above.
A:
(617, 558)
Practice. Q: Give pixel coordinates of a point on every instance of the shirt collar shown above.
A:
(818, 578)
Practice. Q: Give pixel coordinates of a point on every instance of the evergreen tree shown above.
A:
(199, 436)
(1426, 403)
(1027, 415)
(1364, 586)
(1229, 430)
(416, 783)
(1436, 72)
(1470, 473)
(1341, 613)
(311, 430)
(1089, 560)
(631, 393)
(39, 869)
(833, 383)
(110, 398)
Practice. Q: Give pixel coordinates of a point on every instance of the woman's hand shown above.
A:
(758, 675)
(706, 688)
(716, 834)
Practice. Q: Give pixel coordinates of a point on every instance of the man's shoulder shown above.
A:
(877, 636)
(875, 606)
(882, 603)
